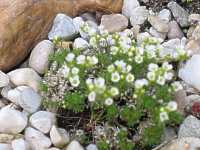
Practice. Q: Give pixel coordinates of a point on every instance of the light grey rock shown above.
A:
(194, 19)
(5, 146)
(20, 144)
(190, 127)
(59, 137)
(174, 31)
(12, 121)
(128, 6)
(4, 79)
(189, 72)
(4, 91)
(36, 139)
(78, 22)
(114, 22)
(142, 36)
(157, 34)
(169, 133)
(88, 16)
(6, 138)
(80, 43)
(25, 76)
(39, 58)
(91, 147)
(165, 15)
(53, 148)
(63, 28)
(139, 15)
(180, 14)
(74, 145)
(158, 24)
(193, 46)
(196, 33)
(43, 121)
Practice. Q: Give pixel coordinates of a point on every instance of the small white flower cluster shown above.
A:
(120, 70)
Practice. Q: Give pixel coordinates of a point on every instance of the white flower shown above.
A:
(153, 67)
(109, 101)
(65, 71)
(70, 57)
(115, 77)
(138, 59)
(172, 106)
(140, 83)
(128, 68)
(114, 91)
(141, 51)
(92, 60)
(75, 71)
(121, 65)
(151, 76)
(161, 80)
(92, 96)
(167, 66)
(74, 81)
(177, 86)
(99, 82)
(93, 42)
(130, 78)
(80, 59)
(164, 116)
(89, 83)
(114, 50)
(168, 76)
(111, 68)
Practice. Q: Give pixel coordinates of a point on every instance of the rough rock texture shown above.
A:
(24, 22)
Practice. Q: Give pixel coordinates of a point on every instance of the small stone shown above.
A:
(78, 22)
(174, 31)
(139, 15)
(20, 144)
(136, 30)
(165, 15)
(180, 14)
(74, 145)
(190, 32)
(36, 139)
(194, 19)
(4, 79)
(6, 138)
(114, 22)
(181, 99)
(80, 43)
(157, 34)
(4, 91)
(39, 58)
(43, 121)
(59, 137)
(190, 127)
(88, 16)
(25, 76)
(128, 6)
(158, 24)
(196, 33)
(193, 46)
(189, 72)
(53, 148)
(63, 28)
(5, 146)
(12, 121)
(91, 147)
(142, 36)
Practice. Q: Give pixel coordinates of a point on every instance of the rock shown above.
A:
(36, 139)
(29, 27)
(40, 55)
(174, 31)
(139, 15)
(74, 145)
(25, 76)
(5, 146)
(193, 46)
(189, 143)
(59, 137)
(6, 138)
(169, 134)
(88, 16)
(181, 99)
(129, 6)
(91, 147)
(136, 30)
(190, 32)
(158, 24)
(53, 148)
(20, 144)
(80, 43)
(25, 97)
(157, 34)
(196, 33)
(114, 22)
(194, 19)
(4, 79)
(165, 15)
(63, 28)
(2, 104)
(12, 121)
(78, 22)
(190, 127)
(180, 14)
(189, 72)
(142, 36)
(43, 121)
(4, 91)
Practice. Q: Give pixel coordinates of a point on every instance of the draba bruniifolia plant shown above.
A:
(126, 85)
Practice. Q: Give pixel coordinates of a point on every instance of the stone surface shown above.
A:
(36, 139)
(78, 21)
(20, 144)
(6, 138)
(4, 79)
(40, 55)
(157, 34)
(193, 46)
(43, 121)
(190, 127)
(174, 31)
(165, 15)
(114, 22)
(194, 18)
(169, 134)
(4, 91)
(91, 147)
(25, 76)
(142, 36)
(30, 21)
(128, 6)
(59, 137)
(181, 99)
(158, 24)
(139, 15)
(179, 13)
(12, 121)
(80, 43)
(74, 145)
(189, 72)
(183, 144)
(5, 146)
(196, 33)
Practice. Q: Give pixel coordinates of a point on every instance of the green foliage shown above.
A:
(102, 145)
